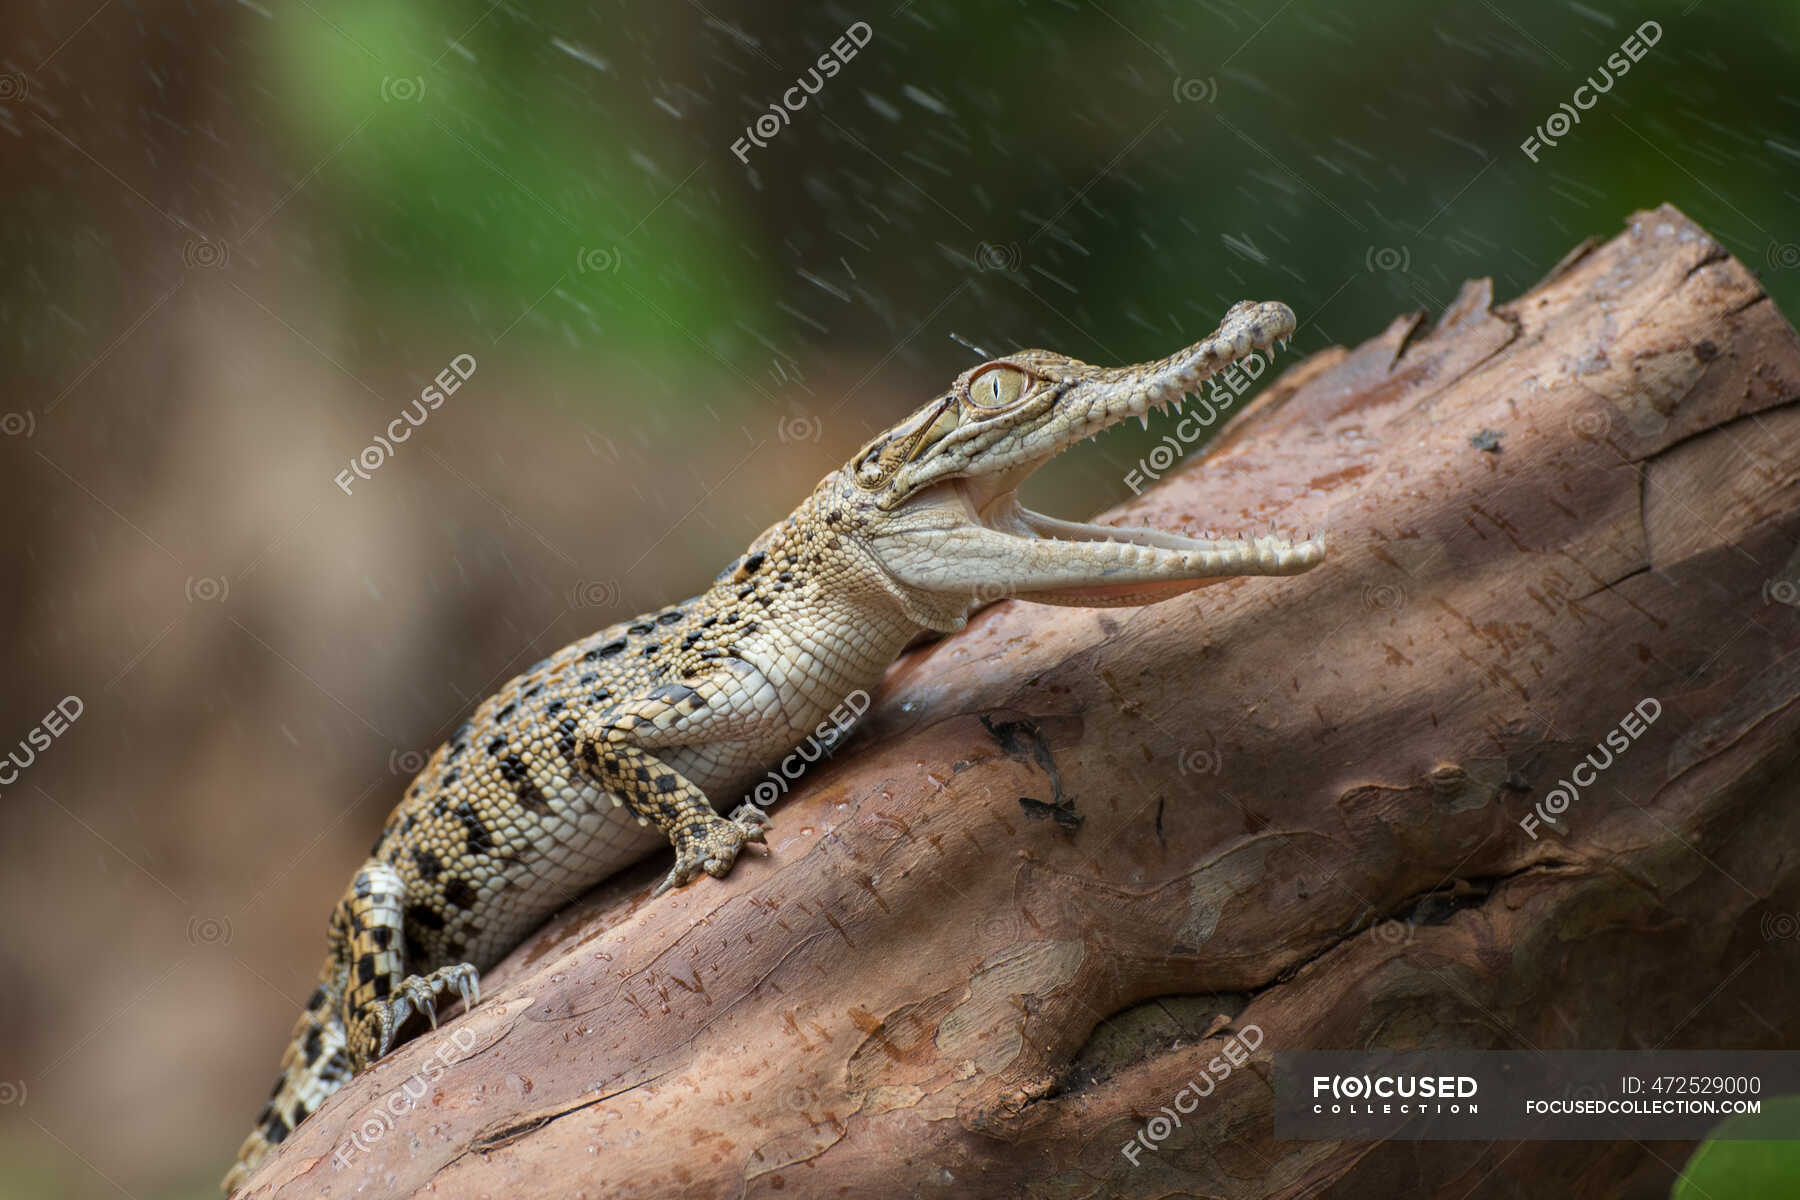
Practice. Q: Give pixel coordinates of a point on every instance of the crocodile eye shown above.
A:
(997, 387)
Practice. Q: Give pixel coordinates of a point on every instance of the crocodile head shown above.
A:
(935, 498)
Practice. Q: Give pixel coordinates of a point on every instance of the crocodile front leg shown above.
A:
(655, 791)
(618, 753)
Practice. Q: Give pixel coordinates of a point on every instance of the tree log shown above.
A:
(1072, 851)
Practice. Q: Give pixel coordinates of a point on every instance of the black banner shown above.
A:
(1575, 1095)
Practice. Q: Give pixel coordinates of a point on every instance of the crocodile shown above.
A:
(615, 745)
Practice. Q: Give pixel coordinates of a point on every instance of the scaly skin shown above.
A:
(543, 792)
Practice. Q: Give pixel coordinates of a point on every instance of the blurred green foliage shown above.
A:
(473, 177)
(1768, 1168)
(1104, 179)
(1137, 165)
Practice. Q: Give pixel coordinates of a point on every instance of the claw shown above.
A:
(713, 848)
(468, 986)
(423, 997)
(389, 1017)
(419, 993)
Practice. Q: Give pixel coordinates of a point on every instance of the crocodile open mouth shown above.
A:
(1187, 561)
(966, 531)
(1111, 397)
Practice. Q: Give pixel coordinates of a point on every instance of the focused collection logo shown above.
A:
(1389, 1094)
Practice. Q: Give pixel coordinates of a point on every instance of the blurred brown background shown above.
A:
(239, 238)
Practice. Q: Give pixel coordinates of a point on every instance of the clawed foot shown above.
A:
(713, 846)
(419, 993)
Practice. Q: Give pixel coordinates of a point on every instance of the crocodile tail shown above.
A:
(313, 1066)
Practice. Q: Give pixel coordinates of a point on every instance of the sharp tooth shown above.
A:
(1144, 420)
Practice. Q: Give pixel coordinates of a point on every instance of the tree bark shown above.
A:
(1073, 850)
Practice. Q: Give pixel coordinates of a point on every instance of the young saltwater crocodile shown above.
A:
(511, 818)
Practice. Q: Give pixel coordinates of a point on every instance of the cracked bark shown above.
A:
(1291, 804)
